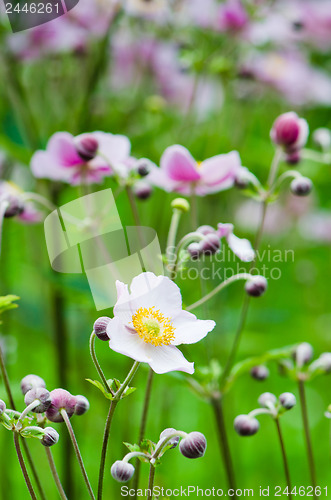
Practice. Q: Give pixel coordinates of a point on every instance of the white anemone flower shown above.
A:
(149, 323)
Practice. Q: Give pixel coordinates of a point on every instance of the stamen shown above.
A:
(152, 326)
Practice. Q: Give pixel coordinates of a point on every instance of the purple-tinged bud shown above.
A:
(50, 437)
(32, 382)
(245, 425)
(260, 372)
(266, 399)
(193, 445)
(322, 138)
(86, 147)
(122, 471)
(206, 230)
(142, 190)
(287, 400)
(15, 207)
(61, 400)
(174, 440)
(82, 405)
(210, 244)
(40, 394)
(303, 354)
(293, 158)
(100, 328)
(2, 406)
(194, 249)
(256, 286)
(290, 131)
(301, 186)
(143, 168)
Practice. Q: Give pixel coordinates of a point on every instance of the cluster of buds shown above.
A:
(301, 366)
(248, 425)
(192, 445)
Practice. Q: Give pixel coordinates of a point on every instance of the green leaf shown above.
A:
(101, 388)
(128, 391)
(6, 303)
(32, 432)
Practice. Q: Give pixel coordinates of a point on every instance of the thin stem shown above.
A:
(223, 442)
(77, 451)
(22, 464)
(6, 380)
(221, 286)
(151, 482)
(3, 207)
(171, 241)
(309, 154)
(274, 166)
(194, 210)
(142, 428)
(304, 414)
(96, 363)
(26, 410)
(285, 462)
(55, 474)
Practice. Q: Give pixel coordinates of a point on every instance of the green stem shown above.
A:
(97, 365)
(22, 464)
(304, 414)
(285, 462)
(55, 474)
(77, 452)
(151, 482)
(171, 241)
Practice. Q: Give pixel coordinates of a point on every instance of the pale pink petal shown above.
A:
(43, 166)
(115, 147)
(168, 358)
(223, 230)
(179, 164)
(189, 329)
(219, 172)
(158, 177)
(241, 247)
(62, 148)
(125, 342)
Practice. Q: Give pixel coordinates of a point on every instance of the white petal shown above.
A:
(189, 329)
(241, 247)
(126, 342)
(168, 358)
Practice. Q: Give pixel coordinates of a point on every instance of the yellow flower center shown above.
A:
(152, 326)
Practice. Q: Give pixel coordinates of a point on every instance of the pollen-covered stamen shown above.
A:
(153, 327)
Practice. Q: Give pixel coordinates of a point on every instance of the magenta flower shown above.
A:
(232, 16)
(17, 205)
(87, 158)
(181, 173)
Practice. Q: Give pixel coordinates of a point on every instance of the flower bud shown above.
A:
(86, 147)
(40, 394)
(256, 286)
(82, 405)
(50, 437)
(122, 471)
(322, 138)
(290, 131)
(324, 362)
(303, 354)
(2, 406)
(293, 158)
(142, 190)
(143, 168)
(180, 204)
(260, 372)
(206, 230)
(266, 399)
(194, 249)
(246, 426)
(174, 440)
(31, 382)
(100, 327)
(193, 445)
(287, 400)
(15, 207)
(210, 244)
(301, 186)
(61, 400)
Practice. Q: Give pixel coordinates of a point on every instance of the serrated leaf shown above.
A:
(101, 388)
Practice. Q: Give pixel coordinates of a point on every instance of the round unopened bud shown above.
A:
(324, 361)
(86, 147)
(40, 394)
(287, 400)
(194, 249)
(100, 327)
(245, 425)
(303, 354)
(206, 230)
(15, 207)
(260, 372)
(266, 399)
(210, 244)
(143, 168)
(122, 471)
(2, 406)
(322, 138)
(193, 445)
(293, 158)
(82, 405)
(167, 432)
(60, 400)
(31, 382)
(290, 131)
(142, 190)
(301, 186)
(50, 437)
(256, 286)
(180, 204)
